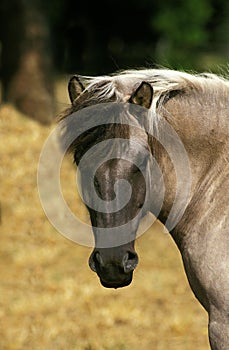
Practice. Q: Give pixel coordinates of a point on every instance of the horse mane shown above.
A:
(162, 80)
(166, 84)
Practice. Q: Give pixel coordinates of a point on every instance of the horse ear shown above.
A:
(143, 95)
(75, 87)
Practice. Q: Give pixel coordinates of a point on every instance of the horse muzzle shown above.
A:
(113, 272)
(118, 283)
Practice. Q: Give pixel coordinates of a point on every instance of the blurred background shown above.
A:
(49, 297)
(40, 40)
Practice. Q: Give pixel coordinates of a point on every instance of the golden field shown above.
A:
(49, 298)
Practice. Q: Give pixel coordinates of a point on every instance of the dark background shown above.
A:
(42, 39)
(102, 36)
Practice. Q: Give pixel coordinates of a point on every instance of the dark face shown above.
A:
(120, 185)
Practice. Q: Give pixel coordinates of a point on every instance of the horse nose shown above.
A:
(130, 261)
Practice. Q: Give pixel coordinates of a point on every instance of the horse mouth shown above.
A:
(116, 284)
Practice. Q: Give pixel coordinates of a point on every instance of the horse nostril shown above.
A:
(98, 259)
(95, 260)
(130, 261)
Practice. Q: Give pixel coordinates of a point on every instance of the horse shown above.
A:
(173, 125)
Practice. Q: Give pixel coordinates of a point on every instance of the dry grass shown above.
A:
(51, 300)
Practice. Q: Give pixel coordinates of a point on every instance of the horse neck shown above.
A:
(207, 214)
(201, 121)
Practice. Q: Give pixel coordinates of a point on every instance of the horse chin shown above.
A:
(117, 284)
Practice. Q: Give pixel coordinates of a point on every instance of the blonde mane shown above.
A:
(162, 80)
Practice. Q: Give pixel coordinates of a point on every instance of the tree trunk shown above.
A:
(27, 77)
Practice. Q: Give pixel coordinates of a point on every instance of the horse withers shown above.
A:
(159, 141)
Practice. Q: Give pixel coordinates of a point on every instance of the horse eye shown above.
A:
(136, 169)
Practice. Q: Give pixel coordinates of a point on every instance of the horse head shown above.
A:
(113, 160)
